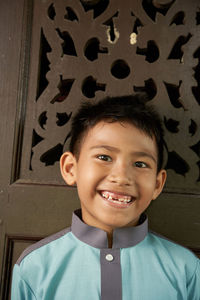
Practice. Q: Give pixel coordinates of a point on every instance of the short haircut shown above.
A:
(133, 109)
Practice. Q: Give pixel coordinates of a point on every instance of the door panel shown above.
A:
(56, 54)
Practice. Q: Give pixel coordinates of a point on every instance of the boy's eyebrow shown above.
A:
(110, 148)
(145, 154)
(137, 153)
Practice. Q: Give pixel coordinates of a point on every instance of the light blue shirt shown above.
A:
(76, 263)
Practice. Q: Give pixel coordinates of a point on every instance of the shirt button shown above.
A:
(109, 257)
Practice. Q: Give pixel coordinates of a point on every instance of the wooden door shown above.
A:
(55, 54)
(30, 209)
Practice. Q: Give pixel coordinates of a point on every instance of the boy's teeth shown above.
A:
(116, 197)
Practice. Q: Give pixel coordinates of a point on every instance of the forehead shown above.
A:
(120, 134)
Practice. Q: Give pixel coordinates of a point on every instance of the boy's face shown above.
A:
(116, 174)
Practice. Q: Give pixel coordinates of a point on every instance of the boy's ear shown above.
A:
(68, 168)
(160, 182)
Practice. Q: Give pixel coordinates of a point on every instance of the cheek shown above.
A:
(147, 183)
(89, 174)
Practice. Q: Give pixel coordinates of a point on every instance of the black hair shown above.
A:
(132, 109)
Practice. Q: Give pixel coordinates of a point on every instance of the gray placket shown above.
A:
(111, 278)
(111, 274)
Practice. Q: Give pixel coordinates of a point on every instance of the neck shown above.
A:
(110, 239)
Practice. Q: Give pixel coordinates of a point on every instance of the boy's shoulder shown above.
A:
(44, 245)
(171, 252)
(169, 244)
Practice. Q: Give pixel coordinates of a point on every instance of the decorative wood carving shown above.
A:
(90, 49)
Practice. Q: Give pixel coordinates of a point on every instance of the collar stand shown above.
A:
(122, 237)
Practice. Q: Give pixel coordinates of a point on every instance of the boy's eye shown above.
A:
(140, 164)
(104, 157)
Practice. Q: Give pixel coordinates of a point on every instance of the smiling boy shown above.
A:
(115, 160)
(116, 175)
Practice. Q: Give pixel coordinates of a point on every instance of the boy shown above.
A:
(115, 159)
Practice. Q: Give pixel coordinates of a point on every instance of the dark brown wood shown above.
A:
(56, 54)
(196, 251)
(14, 245)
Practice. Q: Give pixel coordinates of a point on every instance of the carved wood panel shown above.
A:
(84, 50)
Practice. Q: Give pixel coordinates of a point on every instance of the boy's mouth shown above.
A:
(116, 198)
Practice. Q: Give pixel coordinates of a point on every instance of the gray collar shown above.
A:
(122, 237)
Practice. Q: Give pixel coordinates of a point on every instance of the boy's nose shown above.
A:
(121, 175)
